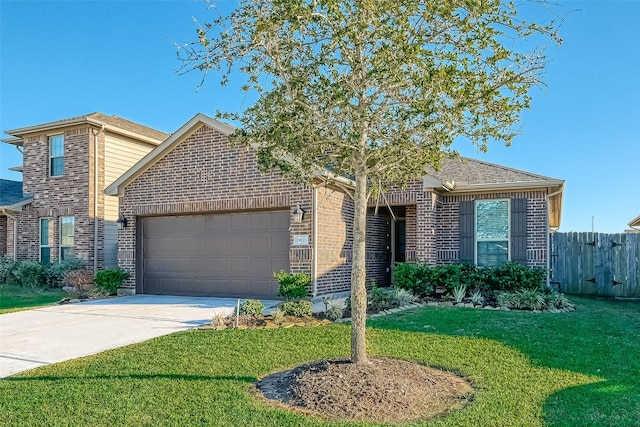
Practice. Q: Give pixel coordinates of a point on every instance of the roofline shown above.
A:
(635, 222)
(17, 206)
(116, 188)
(474, 188)
(17, 134)
(19, 168)
(542, 177)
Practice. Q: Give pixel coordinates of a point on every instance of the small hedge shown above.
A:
(109, 280)
(422, 279)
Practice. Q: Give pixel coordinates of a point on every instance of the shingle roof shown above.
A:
(464, 170)
(635, 222)
(113, 122)
(11, 193)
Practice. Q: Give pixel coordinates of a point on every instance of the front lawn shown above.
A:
(529, 369)
(13, 297)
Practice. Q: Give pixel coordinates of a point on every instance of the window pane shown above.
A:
(45, 255)
(492, 218)
(44, 231)
(67, 230)
(56, 146)
(493, 254)
(66, 253)
(57, 166)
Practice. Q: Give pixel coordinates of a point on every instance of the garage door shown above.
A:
(229, 255)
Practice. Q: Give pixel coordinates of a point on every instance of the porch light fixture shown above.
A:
(298, 214)
(121, 222)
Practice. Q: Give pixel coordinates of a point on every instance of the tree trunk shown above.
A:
(358, 270)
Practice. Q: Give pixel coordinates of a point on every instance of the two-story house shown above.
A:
(61, 210)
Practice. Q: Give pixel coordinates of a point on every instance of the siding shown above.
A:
(120, 154)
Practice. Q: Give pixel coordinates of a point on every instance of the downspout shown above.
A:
(314, 235)
(15, 234)
(95, 200)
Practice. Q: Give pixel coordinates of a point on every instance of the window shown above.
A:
(56, 155)
(67, 232)
(46, 237)
(492, 231)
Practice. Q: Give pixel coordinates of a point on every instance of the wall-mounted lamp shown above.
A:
(298, 214)
(121, 222)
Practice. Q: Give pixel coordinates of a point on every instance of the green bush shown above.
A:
(30, 274)
(292, 285)
(335, 310)
(416, 278)
(448, 276)
(512, 276)
(297, 308)
(403, 297)
(56, 272)
(7, 270)
(252, 307)
(380, 299)
(528, 299)
(109, 280)
(555, 299)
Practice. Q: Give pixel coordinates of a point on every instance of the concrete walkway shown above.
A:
(39, 337)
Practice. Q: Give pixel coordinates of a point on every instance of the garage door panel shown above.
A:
(232, 254)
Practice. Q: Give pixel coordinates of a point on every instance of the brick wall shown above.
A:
(203, 174)
(3, 236)
(448, 225)
(378, 247)
(56, 196)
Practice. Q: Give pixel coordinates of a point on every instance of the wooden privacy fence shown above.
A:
(596, 263)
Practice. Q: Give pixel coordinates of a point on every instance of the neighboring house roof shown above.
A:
(112, 123)
(11, 196)
(635, 222)
(465, 175)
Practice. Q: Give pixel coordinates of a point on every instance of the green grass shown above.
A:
(529, 369)
(15, 298)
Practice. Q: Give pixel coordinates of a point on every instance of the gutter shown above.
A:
(314, 235)
(95, 200)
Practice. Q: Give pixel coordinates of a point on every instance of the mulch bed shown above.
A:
(385, 390)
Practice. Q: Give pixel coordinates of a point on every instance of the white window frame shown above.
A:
(51, 156)
(475, 228)
(50, 236)
(61, 246)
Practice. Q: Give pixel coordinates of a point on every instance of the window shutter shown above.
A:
(519, 231)
(467, 234)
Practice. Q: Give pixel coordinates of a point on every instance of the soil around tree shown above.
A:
(385, 390)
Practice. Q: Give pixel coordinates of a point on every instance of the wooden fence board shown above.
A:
(596, 263)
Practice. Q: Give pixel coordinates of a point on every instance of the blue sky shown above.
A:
(63, 59)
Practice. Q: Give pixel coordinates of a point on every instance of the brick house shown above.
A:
(203, 220)
(60, 210)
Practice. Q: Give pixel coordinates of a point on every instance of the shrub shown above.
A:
(528, 298)
(335, 310)
(403, 297)
(380, 299)
(512, 276)
(109, 280)
(7, 270)
(459, 292)
(218, 319)
(292, 286)
(297, 308)
(252, 307)
(30, 274)
(504, 298)
(555, 299)
(55, 273)
(416, 278)
(81, 280)
(278, 317)
(476, 297)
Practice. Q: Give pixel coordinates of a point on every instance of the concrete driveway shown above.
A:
(33, 338)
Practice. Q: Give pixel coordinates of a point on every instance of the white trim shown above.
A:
(475, 228)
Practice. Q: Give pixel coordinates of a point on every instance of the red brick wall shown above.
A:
(204, 175)
(448, 219)
(57, 196)
(3, 236)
